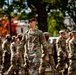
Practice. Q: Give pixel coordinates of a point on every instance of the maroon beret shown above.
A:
(32, 19)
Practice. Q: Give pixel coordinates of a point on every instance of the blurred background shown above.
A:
(51, 15)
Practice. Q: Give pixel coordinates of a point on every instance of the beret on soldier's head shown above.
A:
(62, 31)
(31, 19)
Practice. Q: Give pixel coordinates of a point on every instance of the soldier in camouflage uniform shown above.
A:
(72, 55)
(6, 52)
(67, 41)
(16, 62)
(0, 54)
(20, 45)
(33, 40)
(67, 46)
(61, 53)
(48, 56)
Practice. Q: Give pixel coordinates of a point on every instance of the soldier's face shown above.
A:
(33, 24)
(63, 34)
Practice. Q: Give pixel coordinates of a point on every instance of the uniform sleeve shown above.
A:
(4, 48)
(44, 43)
(58, 44)
(71, 48)
(24, 38)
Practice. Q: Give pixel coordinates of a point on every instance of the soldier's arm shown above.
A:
(4, 48)
(58, 45)
(71, 47)
(44, 43)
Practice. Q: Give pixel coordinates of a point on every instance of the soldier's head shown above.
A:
(74, 33)
(70, 34)
(32, 22)
(13, 38)
(62, 33)
(19, 36)
(46, 35)
(8, 37)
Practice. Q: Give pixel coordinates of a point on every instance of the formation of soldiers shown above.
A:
(31, 53)
(66, 53)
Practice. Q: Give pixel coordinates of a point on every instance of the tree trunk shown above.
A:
(42, 18)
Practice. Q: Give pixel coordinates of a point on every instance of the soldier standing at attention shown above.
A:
(6, 52)
(33, 40)
(61, 53)
(0, 55)
(72, 55)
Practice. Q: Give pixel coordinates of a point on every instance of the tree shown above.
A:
(43, 7)
(55, 22)
(8, 8)
(71, 9)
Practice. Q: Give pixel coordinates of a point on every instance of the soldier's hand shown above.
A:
(22, 65)
(25, 65)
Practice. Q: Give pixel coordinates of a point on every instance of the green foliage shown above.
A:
(31, 14)
(1, 3)
(23, 16)
(55, 23)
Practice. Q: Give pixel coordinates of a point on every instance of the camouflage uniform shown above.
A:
(72, 55)
(20, 46)
(67, 42)
(33, 51)
(0, 54)
(48, 55)
(16, 62)
(6, 52)
(61, 53)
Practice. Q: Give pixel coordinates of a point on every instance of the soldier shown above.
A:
(67, 48)
(72, 55)
(61, 52)
(33, 40)
(67, 41)
(1, 54)
(6, 52)
(20, 45)
(16, 62)
(49, 55)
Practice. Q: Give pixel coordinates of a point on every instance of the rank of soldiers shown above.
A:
(32, 53)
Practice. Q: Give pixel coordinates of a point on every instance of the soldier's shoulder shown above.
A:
(13, 44)
(67, 40)
(71, 41)
(58, 39)
(39, 31)
(4, 41)
(26, 32)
